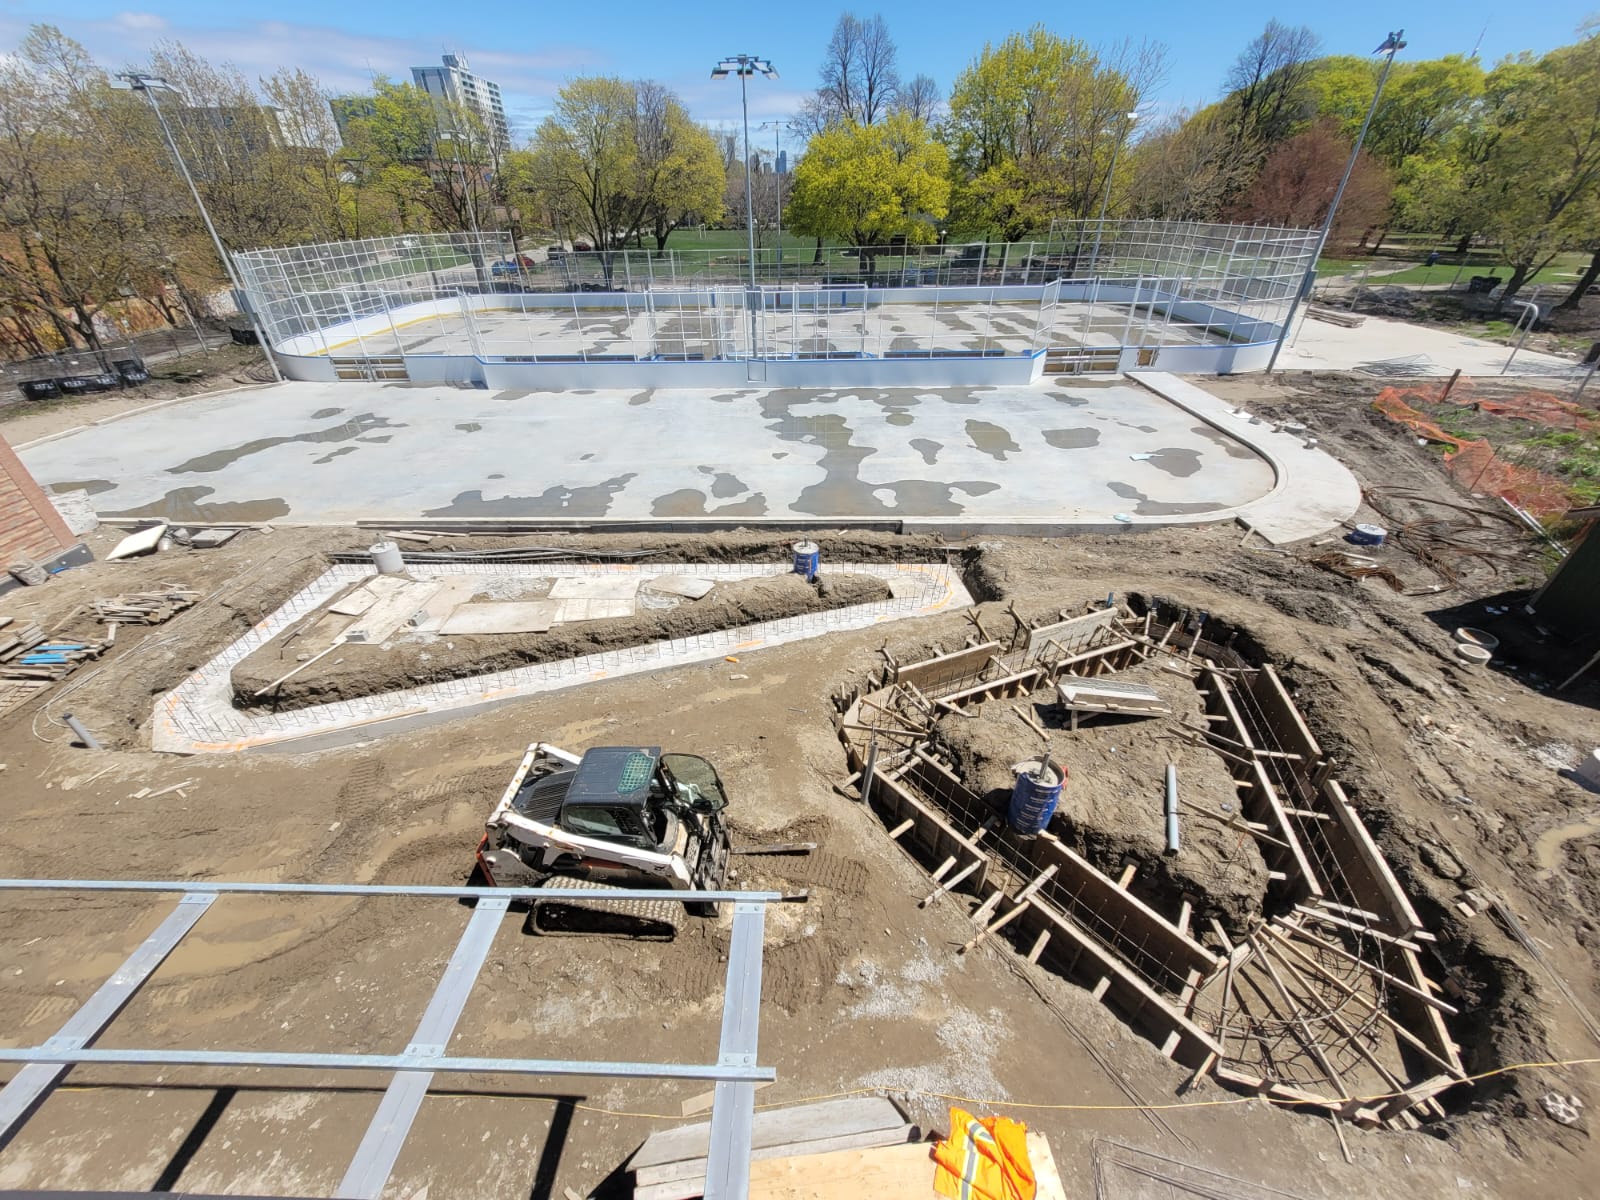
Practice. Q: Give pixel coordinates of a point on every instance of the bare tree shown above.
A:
(1266, 83)
(859, 79)
(920, 98)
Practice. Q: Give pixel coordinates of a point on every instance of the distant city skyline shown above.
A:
(454, 83)
(530, 56)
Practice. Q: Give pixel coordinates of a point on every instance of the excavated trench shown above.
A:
(408, 660)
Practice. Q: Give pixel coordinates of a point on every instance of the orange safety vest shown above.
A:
(983, 1160)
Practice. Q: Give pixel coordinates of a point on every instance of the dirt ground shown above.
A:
(1463, 774)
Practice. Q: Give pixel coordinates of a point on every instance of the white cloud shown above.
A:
(140, 22)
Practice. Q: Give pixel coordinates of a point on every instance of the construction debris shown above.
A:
(144, 608)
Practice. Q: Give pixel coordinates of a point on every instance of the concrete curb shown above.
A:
(143, 408)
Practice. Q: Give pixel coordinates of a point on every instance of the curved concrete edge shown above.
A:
(1313, 491)
(143, 408)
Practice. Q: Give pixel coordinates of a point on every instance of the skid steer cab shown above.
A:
(619, 816)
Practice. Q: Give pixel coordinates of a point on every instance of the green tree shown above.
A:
(870, 183)
(1535, 160)
(1034, 125)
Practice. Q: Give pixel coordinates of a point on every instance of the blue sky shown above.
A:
(531, 48)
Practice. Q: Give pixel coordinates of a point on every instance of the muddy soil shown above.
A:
(366, 670)
(1463, 774)
(1111, 808)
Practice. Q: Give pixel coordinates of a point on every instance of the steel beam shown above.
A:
(375, 1158)
(388, 1062)
(28, 1089)
(733, 1103)
(377, 889)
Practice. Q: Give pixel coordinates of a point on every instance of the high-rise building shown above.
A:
(455, 83)
(783, 162)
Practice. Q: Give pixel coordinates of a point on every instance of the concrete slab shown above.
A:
(963, 459)
(1400, 350)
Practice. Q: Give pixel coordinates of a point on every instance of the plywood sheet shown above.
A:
(690, 587)
(592, 608)
(500, 616)
(886, 1173)
(596, 587)
(454, 591)
(398, 601)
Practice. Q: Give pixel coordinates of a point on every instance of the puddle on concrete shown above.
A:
(958, 397)
(183, 504)
(1074, 401)
(219, 460)
(585, 457)
(382, 437)
(1175, 461)
(1077, 438)
(469, 427)
(333, 454)
(992, 440)
(1230, 447)
(1140, 428)
(780, 454)
(510, 395)
(557, 501)
(639, 398)
(687, 502)
(322, 414)
(724, 485)
(900, 418)
(1160, 508)
(928, 448)
(93, 486)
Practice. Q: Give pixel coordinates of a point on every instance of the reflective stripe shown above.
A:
(969, 1169)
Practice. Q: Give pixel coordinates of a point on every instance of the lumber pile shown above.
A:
(671, 1164)
(27, 655)
(144, 608)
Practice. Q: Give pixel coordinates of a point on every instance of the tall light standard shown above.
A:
(1111, 171)
(1391, 46)
(777, 183)
(744, 66)
(149, 84)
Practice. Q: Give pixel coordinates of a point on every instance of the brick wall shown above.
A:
(30, 527)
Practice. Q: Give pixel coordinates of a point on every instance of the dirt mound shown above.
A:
(368, 670)
(1111, 809)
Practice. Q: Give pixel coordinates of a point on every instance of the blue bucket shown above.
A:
(807, 559)
(1034, 800)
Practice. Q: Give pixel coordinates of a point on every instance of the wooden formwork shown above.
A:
(1347, 903)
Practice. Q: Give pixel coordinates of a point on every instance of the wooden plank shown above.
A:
(887, 1173)
(702, 1102)
(1159, 936)
(1133, 992)
(774, 1127)
(687, 1179)
(1073, 634)
(380, 622)
(1391, 894)
(931, 673)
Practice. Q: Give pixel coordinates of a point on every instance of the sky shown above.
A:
(531, 49)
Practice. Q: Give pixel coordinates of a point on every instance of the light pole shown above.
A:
(1391, 46)
(148, 84)
(744, 66)
(1111, 171)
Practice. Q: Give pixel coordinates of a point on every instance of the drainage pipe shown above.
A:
(83, 735)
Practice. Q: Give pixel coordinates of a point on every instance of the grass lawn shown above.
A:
(1563, 272)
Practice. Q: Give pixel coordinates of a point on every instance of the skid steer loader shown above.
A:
(619, 816)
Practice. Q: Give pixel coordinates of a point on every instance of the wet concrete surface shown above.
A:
(412, 452)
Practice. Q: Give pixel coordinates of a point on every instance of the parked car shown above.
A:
(511, 266)
(582, 246)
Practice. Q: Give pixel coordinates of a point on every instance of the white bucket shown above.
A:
(1589, 768)
(387, 558)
